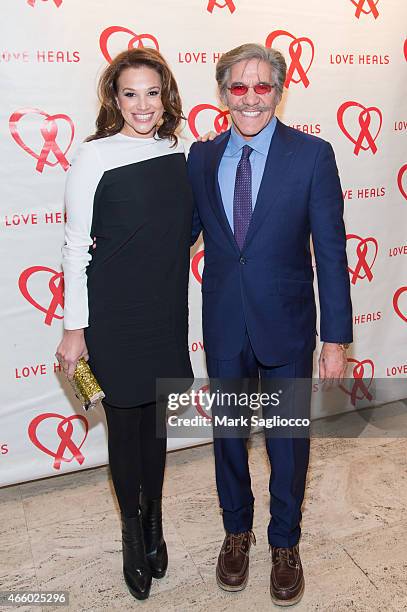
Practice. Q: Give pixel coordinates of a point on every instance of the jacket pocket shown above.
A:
(293, 288)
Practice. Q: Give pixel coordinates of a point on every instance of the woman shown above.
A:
(126, 304)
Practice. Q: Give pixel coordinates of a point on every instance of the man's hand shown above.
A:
(332, 363)
(208, 136)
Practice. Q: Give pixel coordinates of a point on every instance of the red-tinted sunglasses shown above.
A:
(241, 90)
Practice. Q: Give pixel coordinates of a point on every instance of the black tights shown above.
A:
(136, 453)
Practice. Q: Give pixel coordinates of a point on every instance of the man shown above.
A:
(262, 189)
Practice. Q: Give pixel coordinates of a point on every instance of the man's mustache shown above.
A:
(244, 107)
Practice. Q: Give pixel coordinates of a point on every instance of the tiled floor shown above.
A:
(63, 533)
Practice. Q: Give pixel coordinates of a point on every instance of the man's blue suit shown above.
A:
(263, 295)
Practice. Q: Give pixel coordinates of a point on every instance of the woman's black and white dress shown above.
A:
(131, 292)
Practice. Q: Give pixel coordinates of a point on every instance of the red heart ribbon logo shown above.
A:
(360, 4)
(64, 431)
(49, 132)
(405, 49)
(196, 260)
(364, 124)
(295, 50)
(56, 287)
(396, 306)
(220, 123)
(362, 264)
(56, 2)
(226, 3)
(400, 177)
(360, 377)
(136, 41)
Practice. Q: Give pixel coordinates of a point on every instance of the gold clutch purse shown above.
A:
(85, 385)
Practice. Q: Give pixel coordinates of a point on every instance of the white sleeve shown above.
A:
(82, 180)
(181, 147)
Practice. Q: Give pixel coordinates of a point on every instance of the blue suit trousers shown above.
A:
(288, 456)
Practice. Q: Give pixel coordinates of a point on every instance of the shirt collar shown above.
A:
(260, 143)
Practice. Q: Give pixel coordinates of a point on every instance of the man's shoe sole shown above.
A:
(288, 602)
(231, 588)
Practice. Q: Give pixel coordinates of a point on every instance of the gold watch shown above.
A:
(344, 345)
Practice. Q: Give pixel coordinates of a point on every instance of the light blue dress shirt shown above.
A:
(231, 157)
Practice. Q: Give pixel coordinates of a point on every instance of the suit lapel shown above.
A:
(212, 163)
(279, 158)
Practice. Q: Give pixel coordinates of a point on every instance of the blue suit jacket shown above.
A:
(268, 286)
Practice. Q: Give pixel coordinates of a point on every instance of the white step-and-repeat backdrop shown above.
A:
(346, 83)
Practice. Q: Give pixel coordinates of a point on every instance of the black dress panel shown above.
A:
(138, 279)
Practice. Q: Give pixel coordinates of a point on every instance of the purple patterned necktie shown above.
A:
(242, 198)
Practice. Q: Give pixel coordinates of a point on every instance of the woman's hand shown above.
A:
(208, 136)
(71, 349)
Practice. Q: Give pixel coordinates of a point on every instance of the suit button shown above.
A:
(242, 260)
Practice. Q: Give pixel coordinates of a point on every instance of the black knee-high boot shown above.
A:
(136, 569)
(156, 548)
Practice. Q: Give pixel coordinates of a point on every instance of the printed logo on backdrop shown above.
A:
(197, 264)
(199, 407)
(362, 253)
(134, 42)
(43, 288)
(221, 4)
(301, 52)
(405, 49)
(366, 7)
(56, 2)
(364, 125)
(402, 180)
(36, 132)
(202, 113)
(362, 374)
(400, 303)
(64, 436)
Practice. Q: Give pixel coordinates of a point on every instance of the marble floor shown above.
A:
(63, 533)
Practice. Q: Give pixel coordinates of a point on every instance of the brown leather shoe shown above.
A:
(286, 579)
(232, 570)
